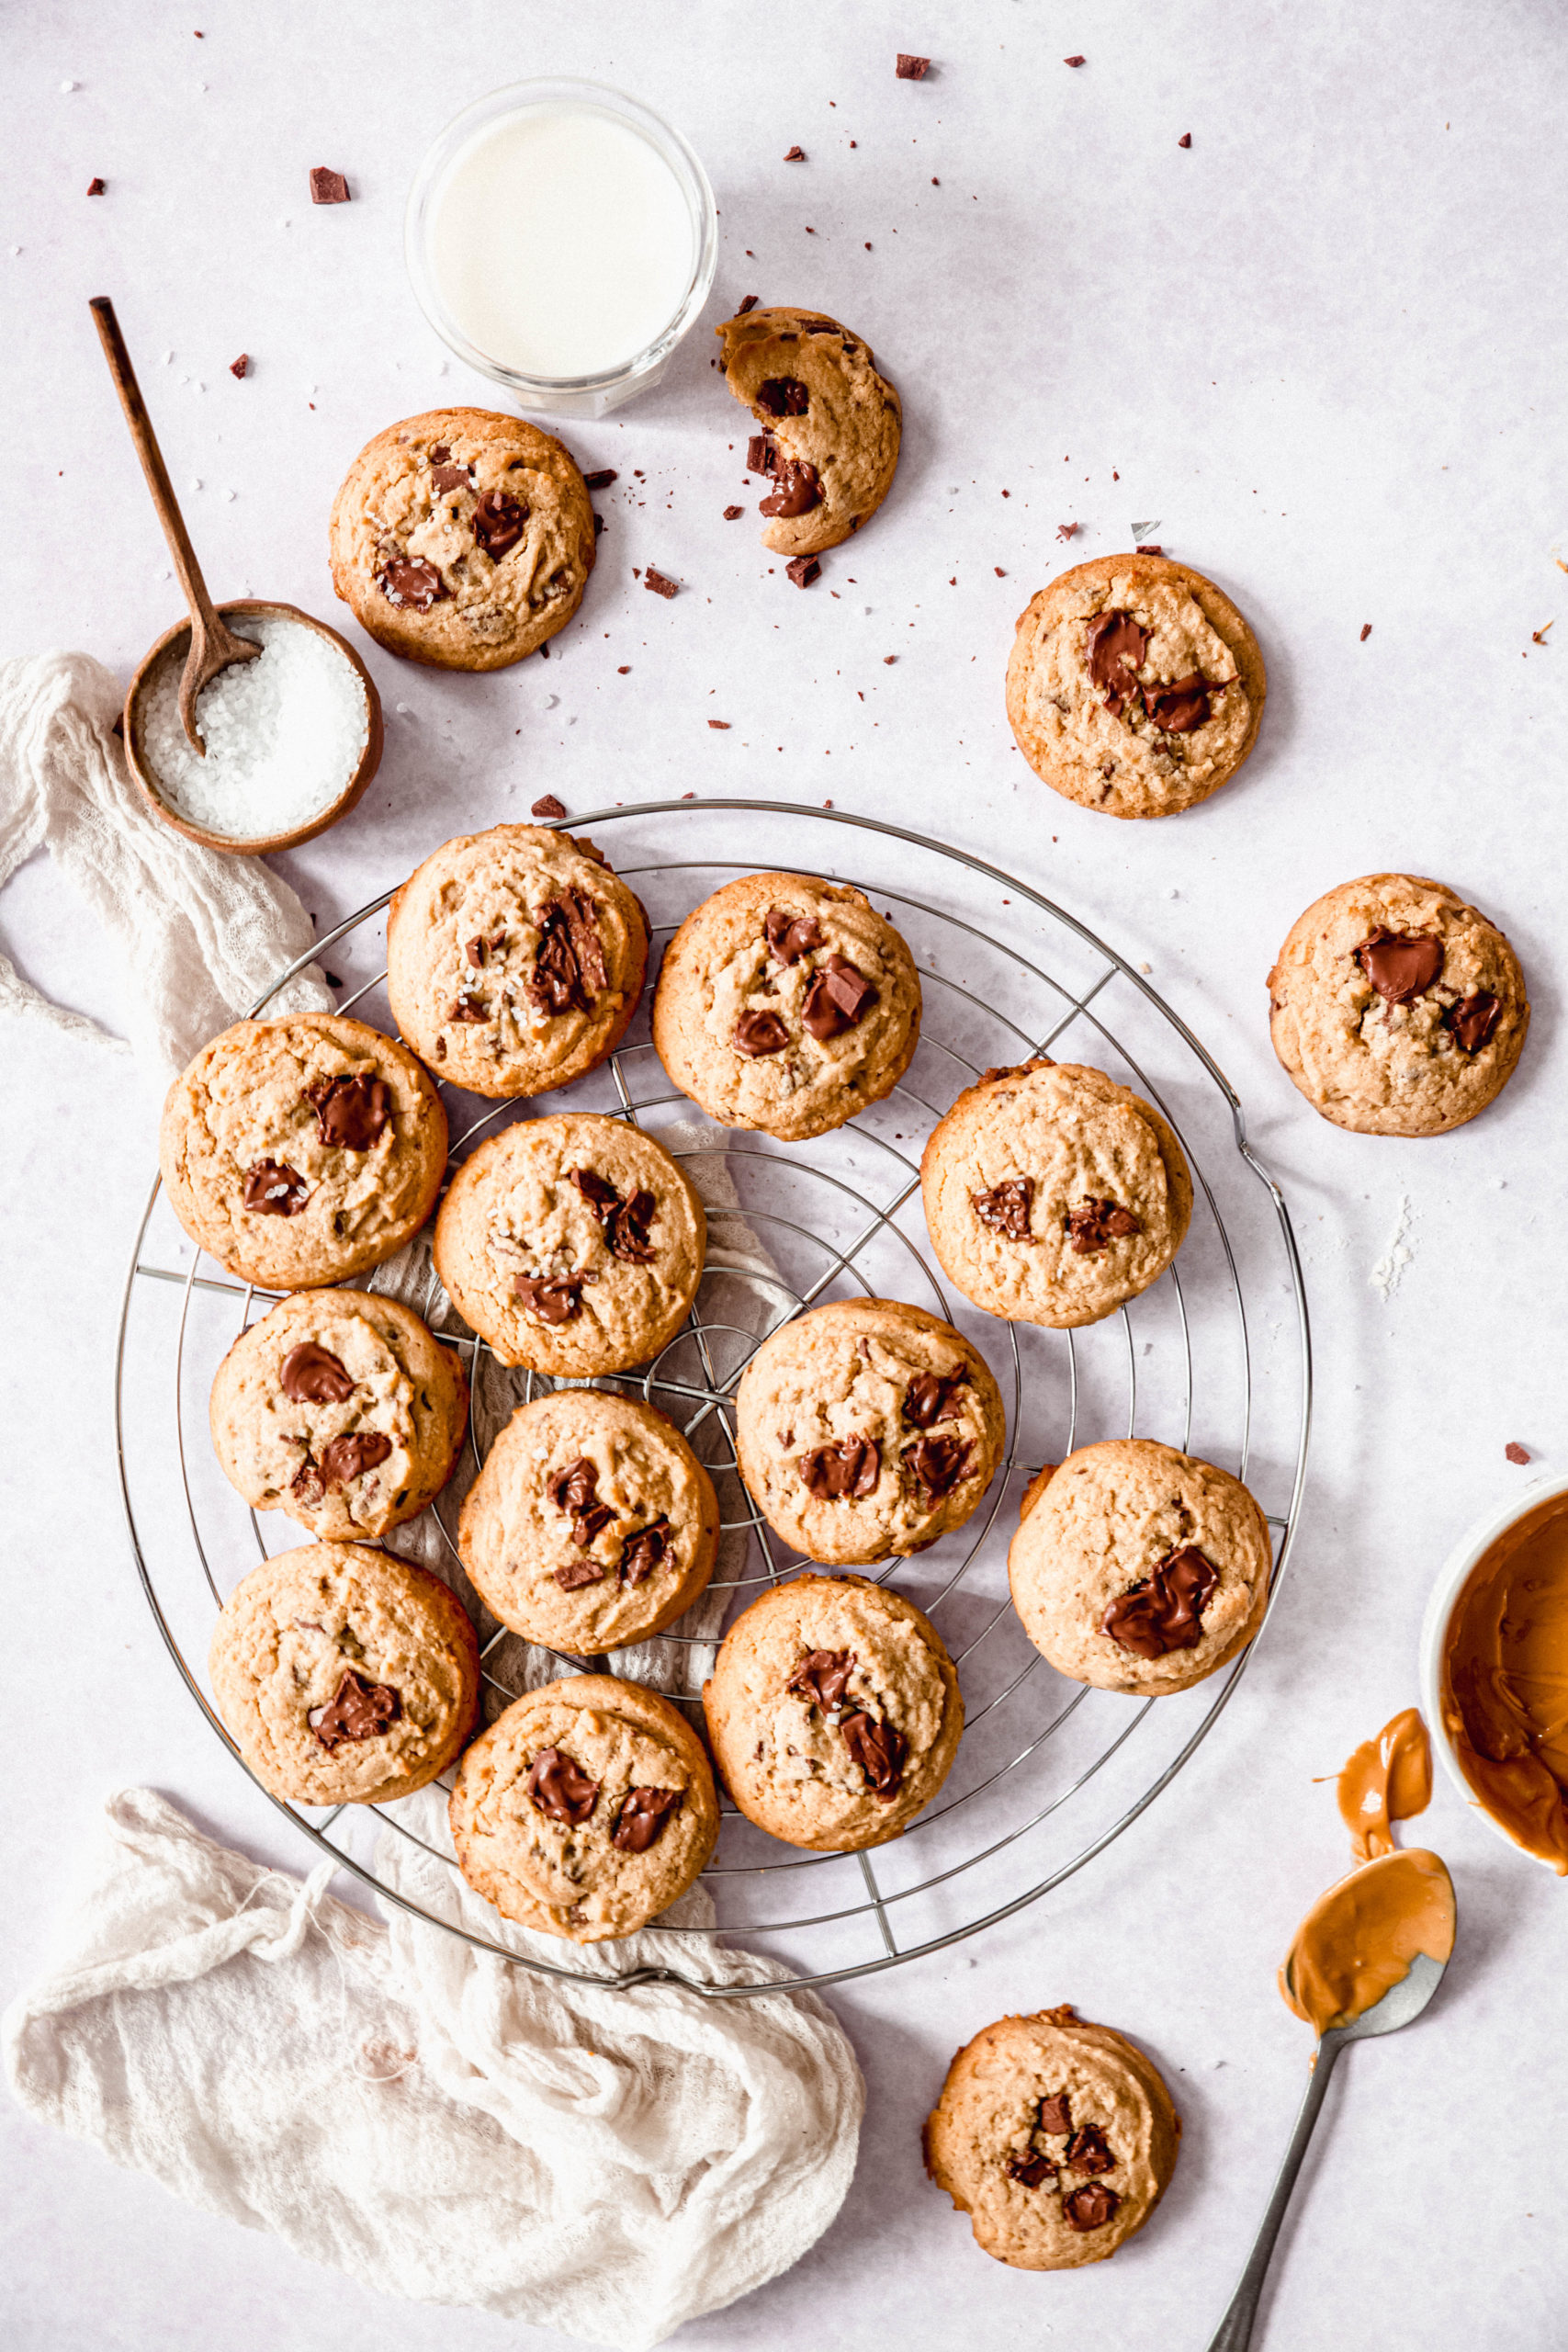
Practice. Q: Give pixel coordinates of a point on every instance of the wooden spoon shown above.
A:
(212, 646)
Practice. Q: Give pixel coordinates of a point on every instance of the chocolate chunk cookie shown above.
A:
(1056, 2137)
(341, 1409)
(462, 537)
(1138, 1569)
(344, 1676)
(833, 1713)
(1398, 1009)
(1053, 1195)
(585, 1809)
(829, 424)
(786, 1004)
(574, 1245)
(867, 1430)
(515, 959)
(592, 1524)
(301, 1152)
(1134, 687)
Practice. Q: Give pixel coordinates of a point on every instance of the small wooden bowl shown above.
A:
(145, 773)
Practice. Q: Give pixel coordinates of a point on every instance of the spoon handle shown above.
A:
(1234, 2331)
(153, 466)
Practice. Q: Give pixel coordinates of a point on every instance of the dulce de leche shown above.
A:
(1386, 1780)
(1358, 1940)
(1505, 1681)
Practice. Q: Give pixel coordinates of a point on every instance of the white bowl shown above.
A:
(1472, 1547)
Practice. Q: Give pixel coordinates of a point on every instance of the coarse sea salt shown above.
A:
(284, 734)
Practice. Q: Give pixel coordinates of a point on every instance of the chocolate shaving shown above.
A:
(350, 1112)
(823, 1677)
(939, 1463)
(1115, 646)
(348, 1458)
(799, 488)
(356, 1710)
(408, 580)
(1474, 1019)
(661, 585)
(601, 479)
(1005, 1208)
(929, 1398)
(312, 1374)
(1401, 965)
(1088, 2150)
(641, 1819)
(1095, 1223)
(846, 1471)
(791, 936)
(1090, 2206)
(274, 1189)
(238, 367)
(1164, 1611)
(554, 1298)
(794, 155)
(759, 1032)
(747, 302)
(878, 1749)
(837, 998)
(641, 1552)
(498, 523)
(328, 186)
(559, 1788)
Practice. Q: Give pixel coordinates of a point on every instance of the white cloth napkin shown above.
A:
(200, 933)
(429, 2117)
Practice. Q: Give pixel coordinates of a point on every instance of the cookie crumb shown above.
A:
(328, 186)
(794, 154)
(1366, 631)
(802, 569)
(238, 366)
(912, 69)
(1538, 636)
(601, 479)
(1515, 1452)
(548, 808)
(97, 187)
(1068, 530)
(1185, 140)
(661, 585)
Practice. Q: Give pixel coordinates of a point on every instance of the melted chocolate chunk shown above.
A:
(1055, 2114)
(312, 1374)
(1032, 2169)
(445, 478)
(642, 1553)
(1116, 647)
(351, 1112)
(838, 997)
(468, 1008)
(1090, 2206)
(558, 1787)
(348, 1458)
(597, 1191)
(554, 1298)
(878, 1749)
(799, 488)
(357, 1709)
(306, 1485)
(1005, 1208)
(626, 1222)
(499, 522)
(761, 454)
(783, 396)
(847, 1471)
(1474, 1019)
(759, 1033)
(1089, 2151)
(1093, 1224)
(274, 1189)
(802, 569)
(577, 1573)
(939, 1463)
(823, 1676)
(575, 1490)
(929, 1398)
(1400, 964)
(1180, 706)
(569, 966)
(408, 580)
(1164, 1612)
(640, 1821)
(480, 951)
(791, 936)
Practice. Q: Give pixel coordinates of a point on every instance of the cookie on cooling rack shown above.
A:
(304, 1151)
(830, 424)
(515, 959)
(462, 537)
(866, 1429)
(1053, 1195)
(1056, 2137)
(786, 1004)
(592, 1524)
(833, 1713)
(1398, 1009)
(1134, 687)
(1138, 1569)
(585, 1809)
(341, 1409)
(344, 1676)
(572, 1244)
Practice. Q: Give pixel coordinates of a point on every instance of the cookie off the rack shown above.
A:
(830, 424)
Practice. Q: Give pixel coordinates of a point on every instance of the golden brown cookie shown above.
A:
(1139, 1569)
(341, 1409)
(1398, 1009)
(344, 1676)
(572, 1244)
(830, 424)
(1053, 1195)
(833, 1713)
(866, 1429)
(585, 1809)
(515, 959)
(592, 1524)
(1057, 2138)
(786, 1004)
(304, 1151)
(462, 537)
(1134, 687)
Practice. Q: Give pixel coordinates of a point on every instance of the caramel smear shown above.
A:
(1505, 1690)
(1388, 1779)
(1358, 1940)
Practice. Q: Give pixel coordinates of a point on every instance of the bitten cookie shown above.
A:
(1053, 1195)
(301, 1152)
(1398, 1009)
(1138, 1569)
(833, 1713)
(515, 959)
(573, 1244)
(1057, 2138)
(786, 1004)
(1134, 687)
(344, 1676)
(866, 1429)
(830, 424)
(462, 537)
(585, 1809)
(593, 1524)
(341, 1409)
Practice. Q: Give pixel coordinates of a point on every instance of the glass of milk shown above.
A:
(562, 239)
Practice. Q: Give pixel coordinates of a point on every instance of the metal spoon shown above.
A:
(214, 647)
(1404, 2001)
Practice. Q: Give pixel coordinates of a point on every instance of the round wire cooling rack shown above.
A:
(1215, 1359)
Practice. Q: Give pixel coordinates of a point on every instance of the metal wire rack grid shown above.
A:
(696, 1397)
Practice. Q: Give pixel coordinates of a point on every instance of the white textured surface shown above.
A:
(1323, 350)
